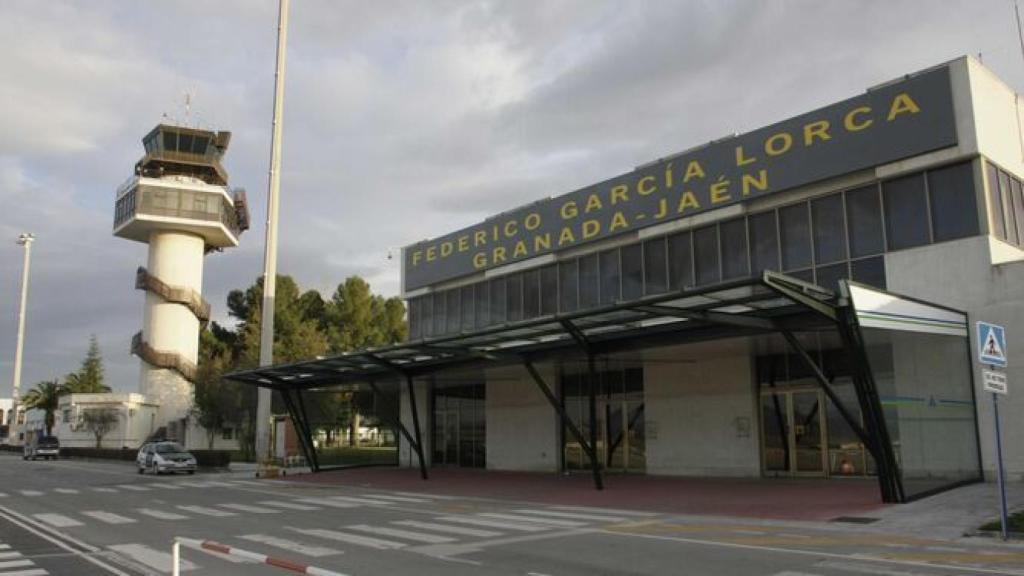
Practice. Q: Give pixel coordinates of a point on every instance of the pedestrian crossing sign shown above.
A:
(991, 344)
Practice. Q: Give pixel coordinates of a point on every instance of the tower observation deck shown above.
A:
(179, 203)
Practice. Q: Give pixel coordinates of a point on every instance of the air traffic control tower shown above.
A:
(180, 204)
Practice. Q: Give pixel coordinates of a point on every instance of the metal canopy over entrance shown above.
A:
(773, 303)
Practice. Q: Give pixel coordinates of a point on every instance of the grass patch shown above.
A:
(348, 456)
(1014, 523)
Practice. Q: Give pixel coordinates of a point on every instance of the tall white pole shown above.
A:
(270, 254)
(26, 241)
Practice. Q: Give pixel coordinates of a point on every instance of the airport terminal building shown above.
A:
(796, 301)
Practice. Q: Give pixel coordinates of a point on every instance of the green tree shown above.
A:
(358, 318)
(100, 422)
(217, 402)
(297, 332)
(89, 377)
(45, 396)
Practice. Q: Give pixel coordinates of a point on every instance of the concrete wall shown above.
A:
(136, 420)
(961, 274)
(522, 426)
(700, 410)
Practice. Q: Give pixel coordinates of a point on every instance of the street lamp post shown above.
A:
(25, 240)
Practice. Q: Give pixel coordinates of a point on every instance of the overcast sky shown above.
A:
(403, 121)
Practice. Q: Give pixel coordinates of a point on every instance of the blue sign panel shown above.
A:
(991, 344)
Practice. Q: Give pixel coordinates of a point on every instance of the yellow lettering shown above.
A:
(645, 186)
(693, 170)
(761, 182)
(720, 191)
(532, 221)
(741, 157)
(479, 238)
(778, 144)
(687, 201)
(511, 228)
(519, 250)
(818, 130)
(416, 257)
(850, 120)
(618, 221)
(566, 237)
(479, 260)
(902, 104)
(569, 210)
(463, 243)
(498, 255)
(662, 209)
(620, 194)
(591, 228)
(431, 253)
(446, 249)
(542, 242)
(593, 203)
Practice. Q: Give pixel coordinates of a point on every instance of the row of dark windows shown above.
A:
(823, 240)
(1007, 199)
(124, 208)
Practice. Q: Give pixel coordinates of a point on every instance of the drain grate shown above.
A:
(855, 519)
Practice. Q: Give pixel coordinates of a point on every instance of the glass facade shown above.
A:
(459, 430)
(822, 240)
(619, 402)
(1006, 203)
(191, 204)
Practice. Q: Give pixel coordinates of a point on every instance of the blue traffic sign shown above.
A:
(991, 344)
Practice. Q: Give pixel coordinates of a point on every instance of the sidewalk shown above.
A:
(950, 514)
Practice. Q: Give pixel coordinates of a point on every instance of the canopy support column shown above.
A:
(301, 428)
(416, 426)
(566, 421)
(584, 344)
(413, 442)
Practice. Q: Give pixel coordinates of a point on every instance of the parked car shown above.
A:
(47, 447)
(160, 457)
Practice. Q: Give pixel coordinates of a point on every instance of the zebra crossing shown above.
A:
(135, 488)
(12, 563)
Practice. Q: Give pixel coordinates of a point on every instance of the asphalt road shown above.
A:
(73, 517)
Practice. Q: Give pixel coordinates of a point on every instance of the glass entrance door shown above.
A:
(793, 433)
(621, 440)
(459, 428)
(620, 435)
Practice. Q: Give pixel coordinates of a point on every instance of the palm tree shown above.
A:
(45, 396)
(75, 382)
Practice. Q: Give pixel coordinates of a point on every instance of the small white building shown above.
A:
(135, 420)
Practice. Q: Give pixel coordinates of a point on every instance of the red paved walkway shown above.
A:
(791, 499)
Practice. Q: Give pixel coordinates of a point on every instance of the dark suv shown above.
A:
(41, 446)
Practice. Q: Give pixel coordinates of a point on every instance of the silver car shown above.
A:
(160, 457)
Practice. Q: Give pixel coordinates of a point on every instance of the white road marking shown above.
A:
(398, 498)
(31, 493)
(5, 546)
(218, 484)
(155, 559)
(493, 523)
(791, 573)
(355, 500)
(404, 534)
(161, 514)
(448, 529)
(248, 508)
(9, 555)
(15, 564)
(108, 517)
(32, 572)
(572, 515)
(349, 538)
(206, 511)
(106, 490)
(326, 502)
(614, 511)
(66, 490)
(3, 495)
(291, 545)
(164, 486)
(289, 505)
(133, 488)
(194, 484)
(530, 519)
(431, 496)
(57, 520)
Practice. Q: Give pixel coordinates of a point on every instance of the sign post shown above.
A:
(992, 351)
